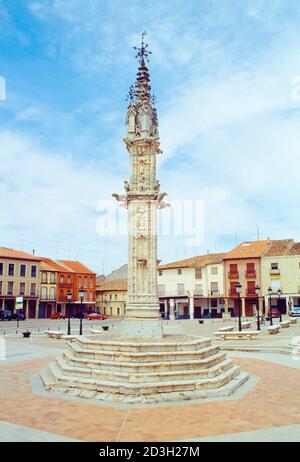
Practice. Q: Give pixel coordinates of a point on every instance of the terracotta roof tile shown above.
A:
(113, 284)
(76, 266)
(194, 262)
(17, 254)
(279, 247)
(251, 249)
(51, 265)
(295, 249)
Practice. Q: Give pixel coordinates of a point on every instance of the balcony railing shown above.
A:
(275, 271)
(233, 275)
(250, 274)
(251, 292)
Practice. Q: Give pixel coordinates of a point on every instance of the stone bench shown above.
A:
(246, 324)
(285, 324)
(55, 334)
(226, 329)
(293, 321)
(274, 329)
(237, 335)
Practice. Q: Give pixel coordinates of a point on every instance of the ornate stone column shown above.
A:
(142, 199)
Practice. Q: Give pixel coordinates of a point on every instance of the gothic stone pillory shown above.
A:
(135, 363)
(142, 198)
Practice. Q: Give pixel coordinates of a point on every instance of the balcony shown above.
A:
(233, 275)
(215, 293)
(250, 274)
(275, 272)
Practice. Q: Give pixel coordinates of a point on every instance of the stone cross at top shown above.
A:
(143, 52)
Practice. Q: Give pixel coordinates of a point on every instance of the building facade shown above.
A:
(243, 265)
(281, 273)
(111, 297)
(192, 288)
(19, 277)
(74, 277)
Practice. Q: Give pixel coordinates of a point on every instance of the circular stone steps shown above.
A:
(136, 371)
(129, 377)
(137, 367)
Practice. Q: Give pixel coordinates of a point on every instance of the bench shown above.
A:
(285, 324)
(96, 331)
(274, 329)
(226, 329)
(246, 324)
(293, 320)
(237, 335)
(55, 334)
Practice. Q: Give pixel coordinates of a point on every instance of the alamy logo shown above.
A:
(2, 89)
(2, 349)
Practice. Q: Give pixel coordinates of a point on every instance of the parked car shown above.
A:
(7, 315)
(57, 315)
(95, 316)
(275, 313)
(78, 315)
(294, 311)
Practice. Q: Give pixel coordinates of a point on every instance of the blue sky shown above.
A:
(225, 74)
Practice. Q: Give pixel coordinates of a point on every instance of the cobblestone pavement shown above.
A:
(273, 402)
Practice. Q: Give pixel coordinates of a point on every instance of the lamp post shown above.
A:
(81, 294)
(238, 291)
(270, 299)
(257, 289)
(69, 296)
(279, 291)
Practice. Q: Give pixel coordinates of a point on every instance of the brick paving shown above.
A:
(272, 402)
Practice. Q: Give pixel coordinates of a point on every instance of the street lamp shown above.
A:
(257, 290)
(69, 296)
(270, 290)
(81, 294)
(238, 291)
(279, 291)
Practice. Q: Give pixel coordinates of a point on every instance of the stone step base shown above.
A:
(182, 343)
(138, 389)
(66, 369)
(139, 367)
(151, 356)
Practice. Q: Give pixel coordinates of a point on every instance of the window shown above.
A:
(62, 279)
(52, 293)
(69, 280)
(33, 271)
(251, 288)
(180, 289)
(44, 278)
(250, 267)
(85, 282)
(214, 287)
(214, 270)
(116, 297)
(33, 289)
(161, 290)
(52, 278)
(198, 289)
(274, 266)
(233, 268)
(44, 293)
(198, 273)
(11, 269)
(22, 271)
(110, 296)
(1, 268)
(160, 271)
(214, 303)
(10, 288)
(179, 271)
(0, 287)
(22, 288)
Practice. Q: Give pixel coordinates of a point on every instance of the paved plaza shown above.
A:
(266, 408)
